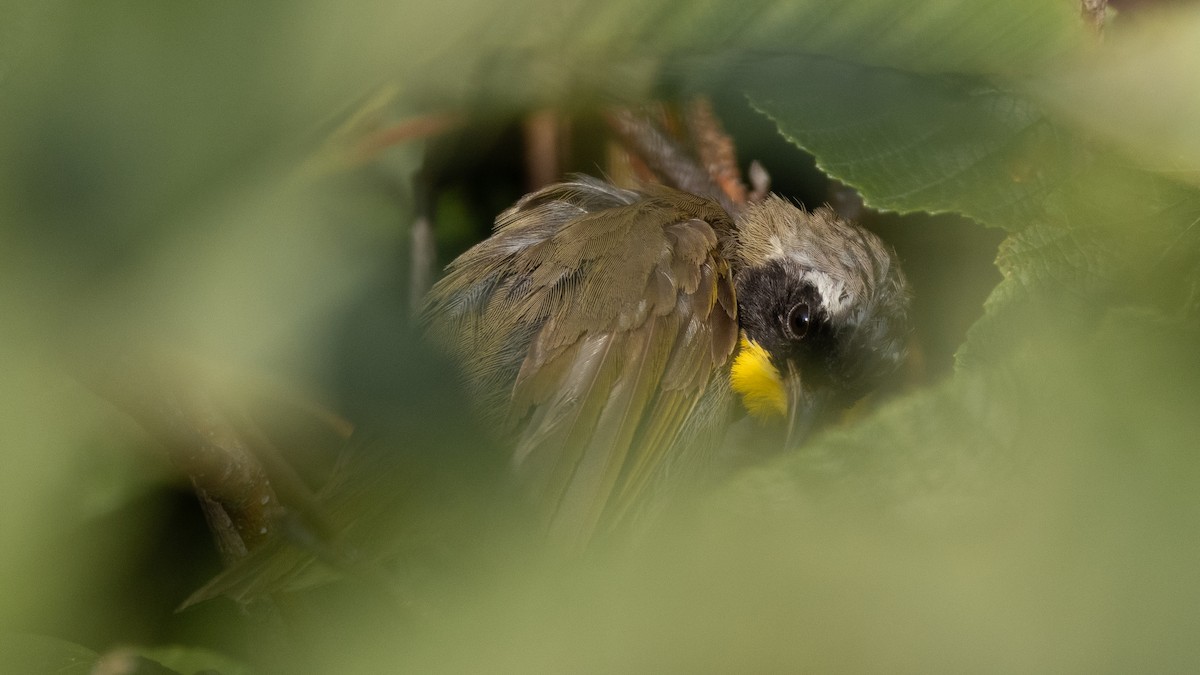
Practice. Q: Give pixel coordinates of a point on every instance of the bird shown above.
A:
(612, 335)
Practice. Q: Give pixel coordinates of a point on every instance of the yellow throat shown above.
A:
(758, 381)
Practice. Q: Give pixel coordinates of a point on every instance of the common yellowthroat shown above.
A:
(613, 333)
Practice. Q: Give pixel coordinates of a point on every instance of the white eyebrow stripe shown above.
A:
(829, 290)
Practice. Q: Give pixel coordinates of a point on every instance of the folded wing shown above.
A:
(592, 323)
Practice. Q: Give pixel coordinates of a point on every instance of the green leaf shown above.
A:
(187, 660)
(1138, 93)
(919, 143)
(1114, 237)
(999, 508)
(919, 35)
(39, 654)
(1090, 229)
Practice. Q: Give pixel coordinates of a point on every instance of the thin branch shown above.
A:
(716, 149)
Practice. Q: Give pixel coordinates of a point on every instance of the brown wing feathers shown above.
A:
(592, 322)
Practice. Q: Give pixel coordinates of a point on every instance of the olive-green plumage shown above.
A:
(591, 324)
(597, 326)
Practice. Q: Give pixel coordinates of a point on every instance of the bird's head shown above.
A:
(822, 306)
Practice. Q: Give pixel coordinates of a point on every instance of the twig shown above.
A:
(423, 251)
(198, 439)
(716, 149)
(665, 156)
(545, 134)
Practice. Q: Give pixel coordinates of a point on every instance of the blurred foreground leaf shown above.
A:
(40, 655)
(1036, 512)
(194, 660)
(1139, 94)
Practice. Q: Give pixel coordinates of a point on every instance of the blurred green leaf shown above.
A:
(189, 660)
(1048, 271)
(1133, 244)
(1138, 94)
(41, 655)
(1044, 503)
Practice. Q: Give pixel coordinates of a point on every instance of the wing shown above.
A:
(592, 322)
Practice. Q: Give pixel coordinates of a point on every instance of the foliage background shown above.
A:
(1032, 507)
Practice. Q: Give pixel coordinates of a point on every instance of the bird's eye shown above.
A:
(798, 320)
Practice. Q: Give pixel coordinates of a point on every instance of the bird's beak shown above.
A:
(804, 408)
